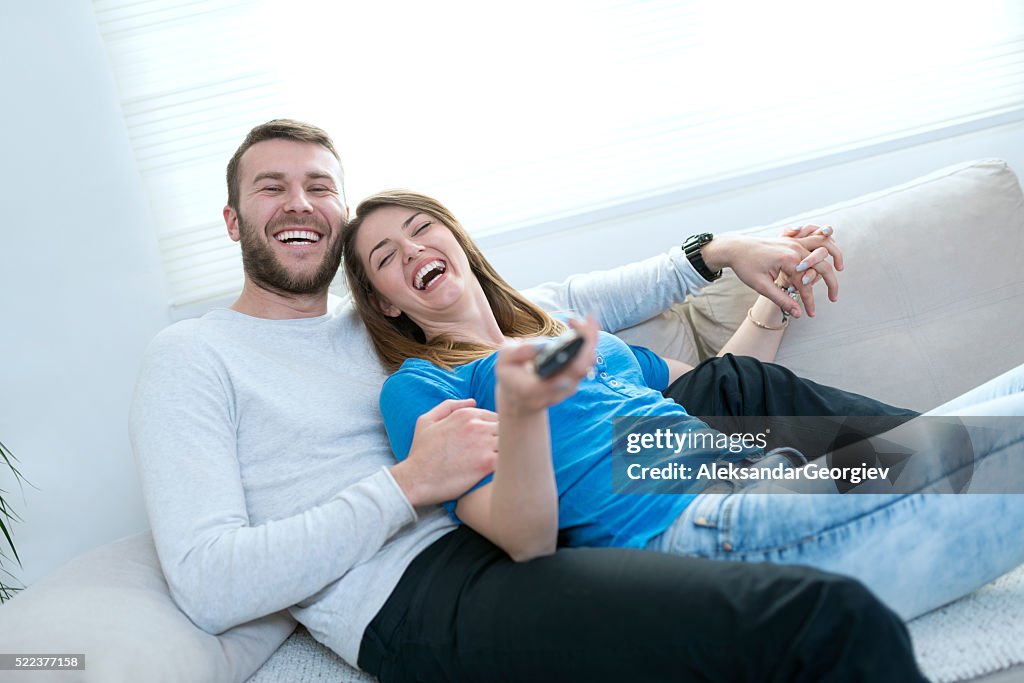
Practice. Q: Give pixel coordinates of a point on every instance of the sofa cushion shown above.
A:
(668, 334)
(933, 272)
(112, 605)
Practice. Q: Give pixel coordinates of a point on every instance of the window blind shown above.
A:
(529, 111)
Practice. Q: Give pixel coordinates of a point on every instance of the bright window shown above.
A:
(521, 112)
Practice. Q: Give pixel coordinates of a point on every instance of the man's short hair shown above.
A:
(287, 129)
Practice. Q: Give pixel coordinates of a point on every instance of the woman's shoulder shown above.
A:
(419, 368)
(608, 341)
(419, 380)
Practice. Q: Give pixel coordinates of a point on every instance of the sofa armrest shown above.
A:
(113, 605)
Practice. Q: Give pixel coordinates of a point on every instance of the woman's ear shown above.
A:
(383, 305)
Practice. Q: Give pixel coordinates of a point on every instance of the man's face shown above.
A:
(289, 216)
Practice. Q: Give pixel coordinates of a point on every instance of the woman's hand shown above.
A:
(758, 261)
(518, 510)
(521, 391)
(761, 333)
(819, 241)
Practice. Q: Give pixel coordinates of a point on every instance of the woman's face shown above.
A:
(415, 264)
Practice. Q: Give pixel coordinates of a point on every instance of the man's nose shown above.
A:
(298, 201)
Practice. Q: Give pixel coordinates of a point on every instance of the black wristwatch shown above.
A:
(691, 247)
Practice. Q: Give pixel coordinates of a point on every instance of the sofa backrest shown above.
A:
(931, 300)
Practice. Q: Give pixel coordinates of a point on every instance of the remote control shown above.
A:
(557, 353)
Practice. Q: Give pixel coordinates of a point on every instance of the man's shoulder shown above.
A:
(186, 338)
(181, 332)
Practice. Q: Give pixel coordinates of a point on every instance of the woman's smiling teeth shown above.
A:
(428, 273)
(297, 237)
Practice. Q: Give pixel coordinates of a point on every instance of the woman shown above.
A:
(436, 309)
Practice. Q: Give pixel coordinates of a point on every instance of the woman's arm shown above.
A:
(760, 333)
(759, 339)
(518, 510)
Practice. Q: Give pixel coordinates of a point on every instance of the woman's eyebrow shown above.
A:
(405, 226)
(376, 247)
(410, 219)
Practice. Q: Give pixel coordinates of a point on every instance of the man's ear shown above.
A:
(384, 306)
(231, 220)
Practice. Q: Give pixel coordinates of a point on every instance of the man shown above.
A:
(270, 485)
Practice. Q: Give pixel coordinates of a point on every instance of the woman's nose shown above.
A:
(412, 250)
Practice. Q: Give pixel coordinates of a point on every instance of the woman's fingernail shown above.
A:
(806, 280)
(802, 267)
(827, 230)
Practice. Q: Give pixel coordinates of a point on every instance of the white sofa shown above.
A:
(931, 305)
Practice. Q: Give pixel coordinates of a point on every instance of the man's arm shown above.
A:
(626, 295)
(223, 569)
(630, 294)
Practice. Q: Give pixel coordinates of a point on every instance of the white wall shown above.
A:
(561, 248)
(81, 289)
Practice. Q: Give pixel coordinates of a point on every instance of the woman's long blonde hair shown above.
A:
(398, 338)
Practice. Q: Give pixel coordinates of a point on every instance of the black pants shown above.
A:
(733, 393)
(464, 611)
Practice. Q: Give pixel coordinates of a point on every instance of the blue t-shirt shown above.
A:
(628, 381)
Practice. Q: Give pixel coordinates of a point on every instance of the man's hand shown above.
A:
(455, 445)
(758, 261)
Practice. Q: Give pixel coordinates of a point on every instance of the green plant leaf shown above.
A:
(10, 542)
(7, 517)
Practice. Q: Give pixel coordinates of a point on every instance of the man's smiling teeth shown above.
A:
(297, 237)
(435, 269)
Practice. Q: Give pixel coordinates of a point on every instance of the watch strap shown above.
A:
(692, 247)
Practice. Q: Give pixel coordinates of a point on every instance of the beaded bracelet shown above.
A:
(791, 291)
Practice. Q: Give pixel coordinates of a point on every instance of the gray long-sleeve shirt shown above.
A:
(264, 461)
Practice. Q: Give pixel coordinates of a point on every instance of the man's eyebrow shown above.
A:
(268, 175)
(278, 175)
(405, 225)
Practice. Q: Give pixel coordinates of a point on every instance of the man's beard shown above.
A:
(265, 270)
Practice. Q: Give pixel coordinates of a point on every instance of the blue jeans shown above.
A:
(916, 551)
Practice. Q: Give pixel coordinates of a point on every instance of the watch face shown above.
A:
(699, 240)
